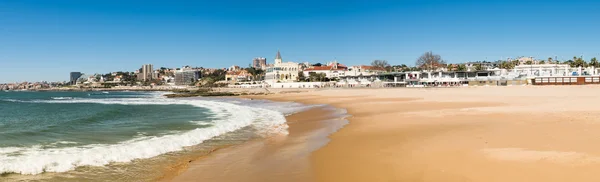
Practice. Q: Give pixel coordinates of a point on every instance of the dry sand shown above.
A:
(447, 134)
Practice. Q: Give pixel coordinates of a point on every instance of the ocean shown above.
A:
(108, 136)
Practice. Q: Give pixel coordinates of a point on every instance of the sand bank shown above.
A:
(453, 134)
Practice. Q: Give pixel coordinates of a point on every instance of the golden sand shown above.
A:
(456, 134)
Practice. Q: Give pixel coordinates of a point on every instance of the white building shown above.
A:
(553, 70)
(186, 76)
(331, 70)
(281, 71)
(363, 71)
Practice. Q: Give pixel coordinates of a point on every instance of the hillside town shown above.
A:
(430, 70)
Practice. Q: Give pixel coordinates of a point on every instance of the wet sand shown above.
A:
(281, 158)
(451, 134)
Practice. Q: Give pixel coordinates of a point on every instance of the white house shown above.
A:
(363, 71)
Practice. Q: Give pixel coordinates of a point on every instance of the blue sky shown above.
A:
(45, 40)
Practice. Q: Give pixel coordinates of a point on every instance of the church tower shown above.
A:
(278, 58)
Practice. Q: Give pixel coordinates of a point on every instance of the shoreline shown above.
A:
(463, 134)
(308, 131)
(172, 162)
(503, 133)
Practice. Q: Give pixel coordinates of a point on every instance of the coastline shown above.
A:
(149, 168)
(418, 134)
(280, 158)
(459, 134)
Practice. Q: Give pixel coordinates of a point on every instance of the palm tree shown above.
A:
(504, 65)
(515, 62)
(450, 67)
(577, 62)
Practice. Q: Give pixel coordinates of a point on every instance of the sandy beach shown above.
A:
(518, 133)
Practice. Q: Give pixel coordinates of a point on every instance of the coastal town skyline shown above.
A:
(46, 40)
(270, 63)
(311, 90)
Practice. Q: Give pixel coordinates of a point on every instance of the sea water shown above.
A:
(83, 135)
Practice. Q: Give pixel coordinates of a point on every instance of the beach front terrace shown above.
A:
(436, 78)
(358, 80)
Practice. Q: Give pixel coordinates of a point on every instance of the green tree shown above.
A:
(569, 62)
(317, 77)
(504, 65)
(389, 68)
(528, 63)
(301, 77)
(322, 77)
(401, 67)
(515, 62)
(450, 67)
(258, 74)
(577, 62)
(404, 67)
(594, 62)
(461, 67)
(312, 76)
(478, 67)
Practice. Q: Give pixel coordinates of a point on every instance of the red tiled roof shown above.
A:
(339, 65)
(317, 68)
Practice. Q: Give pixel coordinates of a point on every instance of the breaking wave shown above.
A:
(229, 117)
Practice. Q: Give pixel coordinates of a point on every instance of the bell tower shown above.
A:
(278, 58)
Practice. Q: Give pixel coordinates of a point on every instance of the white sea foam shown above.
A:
(62, 98)
(8, 150)
(63, 143)
(35, 160)
(10, 100)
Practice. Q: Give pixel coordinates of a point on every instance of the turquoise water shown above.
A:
(122, 136)
(34, 120)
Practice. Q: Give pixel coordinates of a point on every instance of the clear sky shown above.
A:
(45, 40)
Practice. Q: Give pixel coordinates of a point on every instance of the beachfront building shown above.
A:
(282, 72)
(442, 78)
(535, 70)
(233, 77)
(363, 70)
(471, 66)
(187, 76)
(332, 70)
(361, 75)
(74, 76)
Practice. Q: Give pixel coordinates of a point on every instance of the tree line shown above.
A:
(430, 62)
